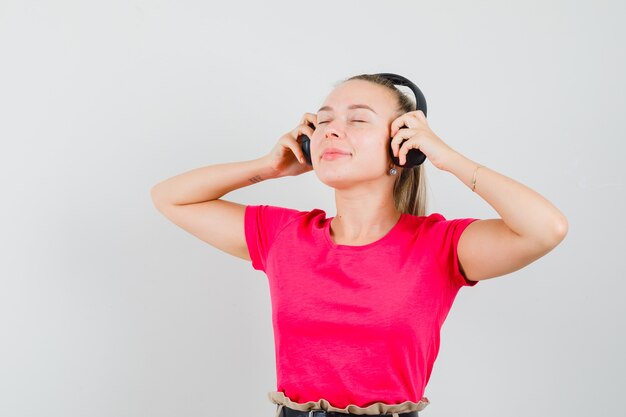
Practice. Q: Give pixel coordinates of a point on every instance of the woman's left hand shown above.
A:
(413, 127)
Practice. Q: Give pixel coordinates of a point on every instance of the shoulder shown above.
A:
(281, 214)
(423, 222)
(429, 220)
(436, 225)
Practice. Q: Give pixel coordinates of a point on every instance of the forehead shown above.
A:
(361, 92)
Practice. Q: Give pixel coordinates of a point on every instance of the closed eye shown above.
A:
(319, 123)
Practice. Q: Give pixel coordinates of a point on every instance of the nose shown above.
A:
(331, 130)
(330, 134)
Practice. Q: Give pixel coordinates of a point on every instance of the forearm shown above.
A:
(522, 209)
(211, 182)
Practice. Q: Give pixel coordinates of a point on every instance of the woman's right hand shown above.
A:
(284, 158)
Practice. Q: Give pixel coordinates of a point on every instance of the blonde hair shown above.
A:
(409, 189)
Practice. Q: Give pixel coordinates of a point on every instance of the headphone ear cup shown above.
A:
(414, 157)
(305, 145)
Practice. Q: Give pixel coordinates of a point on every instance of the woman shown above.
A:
(358, 299)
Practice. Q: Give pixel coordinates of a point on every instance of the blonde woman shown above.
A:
(358, 299)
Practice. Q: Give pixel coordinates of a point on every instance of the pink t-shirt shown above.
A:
(355, 324)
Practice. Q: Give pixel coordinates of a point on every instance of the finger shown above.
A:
(398, 138)
(294, 146)
(309, 118)
(397, 124)
(302, 128)
(408, 120)
(406, 147)
(295, 132)
(306, 130)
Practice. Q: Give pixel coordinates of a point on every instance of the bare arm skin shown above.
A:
(530, 225)
(192, 200)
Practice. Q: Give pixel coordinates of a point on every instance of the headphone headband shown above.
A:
(420, 100)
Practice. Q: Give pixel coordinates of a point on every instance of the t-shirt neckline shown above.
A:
(389, 236)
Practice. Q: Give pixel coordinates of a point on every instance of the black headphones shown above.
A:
(414, 157)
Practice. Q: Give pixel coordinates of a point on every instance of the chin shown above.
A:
(344, 177)
(334, 178)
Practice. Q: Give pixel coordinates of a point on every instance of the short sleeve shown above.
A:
(262, 224)
(445, 235)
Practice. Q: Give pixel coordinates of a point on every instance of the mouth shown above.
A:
(329, 156)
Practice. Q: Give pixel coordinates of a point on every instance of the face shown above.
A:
(356, 118)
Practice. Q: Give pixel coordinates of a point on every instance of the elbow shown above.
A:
(153, 193)
(559, 231)
(562, 227)
(156, 196)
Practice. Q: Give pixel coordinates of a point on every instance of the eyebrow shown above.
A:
(354, 106)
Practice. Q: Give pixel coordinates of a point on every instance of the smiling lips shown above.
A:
(334, 153)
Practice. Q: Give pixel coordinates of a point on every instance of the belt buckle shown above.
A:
(313, 413)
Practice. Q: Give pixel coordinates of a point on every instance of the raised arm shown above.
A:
(530, 226)
(192, 200)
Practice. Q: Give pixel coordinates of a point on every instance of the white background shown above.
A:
(108, 309)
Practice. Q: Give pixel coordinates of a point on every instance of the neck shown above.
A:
(363, 218)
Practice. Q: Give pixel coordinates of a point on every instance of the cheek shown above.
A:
(374, 151)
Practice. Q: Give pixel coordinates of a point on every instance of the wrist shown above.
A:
(265, 169)
(463, 168)
(455, 161)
